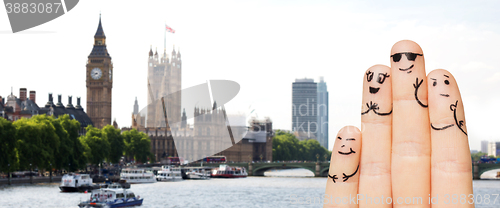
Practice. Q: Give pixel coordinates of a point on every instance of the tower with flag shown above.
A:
(164, 77)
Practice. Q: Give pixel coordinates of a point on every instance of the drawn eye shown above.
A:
(339, 138)
(396, 57)
(411, 56)
(434, 83)
(369, 76)
(446, 82)
(381, 77)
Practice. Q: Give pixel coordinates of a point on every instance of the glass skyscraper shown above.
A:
(304, 110)
(310, 110)
(322, 133)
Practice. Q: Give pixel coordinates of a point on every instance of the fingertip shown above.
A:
(348, 141)
(445, 101)
(408, 67)
(406, 45)
(377, 94)
(351, 130)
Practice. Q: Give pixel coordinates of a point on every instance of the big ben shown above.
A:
(99, 81)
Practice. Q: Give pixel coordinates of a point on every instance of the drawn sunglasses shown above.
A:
(409, 55)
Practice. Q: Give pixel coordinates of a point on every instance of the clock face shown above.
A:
(96, 73)
(110, 74)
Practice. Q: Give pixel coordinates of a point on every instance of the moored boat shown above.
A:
(112, 197)
(137, 175)
(225, 171)
(197, 173)
(169, 173)
(73, 182)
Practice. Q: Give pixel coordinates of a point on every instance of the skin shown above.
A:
(344, 164)
(375, 164)
(411, 145)
(419, 160)
(451, 163)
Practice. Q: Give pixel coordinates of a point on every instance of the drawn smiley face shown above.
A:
(377, 87)
(380, 79)
(446, 81)
(343, 149)
(410, 57)
(443, 86)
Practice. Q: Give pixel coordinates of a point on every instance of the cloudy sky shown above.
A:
(264, 46)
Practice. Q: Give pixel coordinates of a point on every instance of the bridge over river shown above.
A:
(320, 169)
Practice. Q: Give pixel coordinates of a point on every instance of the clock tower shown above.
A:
(99, 81)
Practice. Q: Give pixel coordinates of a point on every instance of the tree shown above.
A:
(137, 145)
(37, 141)
(77, 157)
(97, 146)
(477, 156)
(8, 148)
(117, 145)
(287, 147)
(311, 149)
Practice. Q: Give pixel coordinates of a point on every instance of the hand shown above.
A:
(415, 154)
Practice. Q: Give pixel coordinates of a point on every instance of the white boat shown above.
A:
(169, 173)
(112, 197)
(137, 175)
(197, 173)
(73, 182)
(229, 172)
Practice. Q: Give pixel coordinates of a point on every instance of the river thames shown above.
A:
(276, 190)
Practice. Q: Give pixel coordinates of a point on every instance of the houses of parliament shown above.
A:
(164, 121)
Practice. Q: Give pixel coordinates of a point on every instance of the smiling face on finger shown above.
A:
(377, 91)
(346, 146)
(444, 80)
(446, 101)
(407, 56)
(408, 71)
(380, 79)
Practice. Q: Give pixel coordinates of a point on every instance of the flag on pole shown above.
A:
(169, 29)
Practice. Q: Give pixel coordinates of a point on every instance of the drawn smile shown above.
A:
(445, 95)
(442, 128)
(374, 90)
(407, 69)
(347, 153)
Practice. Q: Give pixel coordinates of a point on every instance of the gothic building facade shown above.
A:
(164, 79)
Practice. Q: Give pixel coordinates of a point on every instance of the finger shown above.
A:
(342, 184)
(410, 126)
(376, 123)
(450, 161)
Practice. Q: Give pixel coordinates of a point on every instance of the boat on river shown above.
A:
(137, 175)
(197, 173)
(224, 171)
(74, 182)
(169, 173)
(112, 197)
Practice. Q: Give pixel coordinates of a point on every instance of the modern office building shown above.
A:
(304, 107)
(484, 146)
(322, 93)
(494, 148)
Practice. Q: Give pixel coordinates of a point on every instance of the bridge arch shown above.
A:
(258, 170)
(484, 170)
(324, 172)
